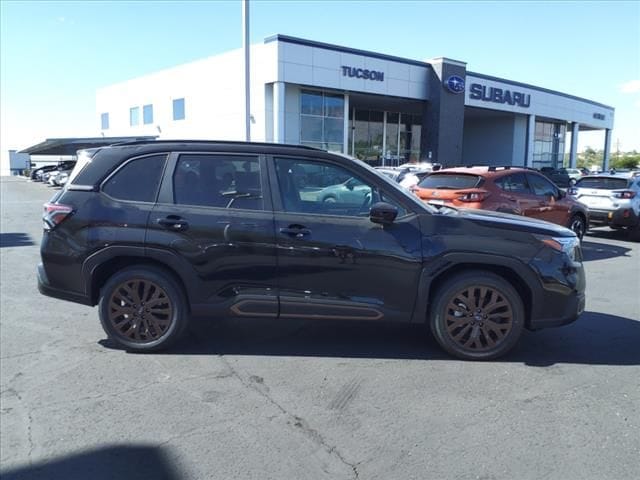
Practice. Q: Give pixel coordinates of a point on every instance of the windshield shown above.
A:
(603, 183)
(450, 181)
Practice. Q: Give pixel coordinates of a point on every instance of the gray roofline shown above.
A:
(382, 56)
(338, 48)
(540, 89)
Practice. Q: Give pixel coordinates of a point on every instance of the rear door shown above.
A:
(333, 262)
(214, 215)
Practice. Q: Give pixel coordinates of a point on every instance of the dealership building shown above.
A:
(380, 108)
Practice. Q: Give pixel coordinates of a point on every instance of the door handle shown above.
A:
(298, 232)
(173, 223)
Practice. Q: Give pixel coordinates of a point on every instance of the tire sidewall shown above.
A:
(174, 292)
(459, 282)
(582, 221)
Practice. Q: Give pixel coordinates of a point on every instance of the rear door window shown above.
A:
(451, 181)
(218, 180)
(137, 180)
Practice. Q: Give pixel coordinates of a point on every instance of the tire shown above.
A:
(497, 325)
(634, 233)
(143, 309)
(578, 225)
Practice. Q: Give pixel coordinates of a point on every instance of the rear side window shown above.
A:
(450, 181)
(603, 183)
(223, 181)
(137, 181)
(516, 183)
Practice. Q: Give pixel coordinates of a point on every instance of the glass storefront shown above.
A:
(385, 138)
(322, 120)
(377, 137)
(548, 145)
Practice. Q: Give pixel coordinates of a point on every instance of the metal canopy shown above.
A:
(69, 146)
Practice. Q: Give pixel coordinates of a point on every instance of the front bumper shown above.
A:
(559, 298)
(574, 306)
(622, 217)
(46, 289)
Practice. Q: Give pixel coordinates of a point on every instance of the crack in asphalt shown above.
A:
(30, 438)
(297, 421)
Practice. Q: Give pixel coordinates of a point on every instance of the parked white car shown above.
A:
(613, 200)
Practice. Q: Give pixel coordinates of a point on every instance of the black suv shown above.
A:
(156, 232)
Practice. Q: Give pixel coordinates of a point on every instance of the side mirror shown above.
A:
(383, 213)
(350, 184)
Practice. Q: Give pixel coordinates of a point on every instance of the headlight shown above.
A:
(568, 245)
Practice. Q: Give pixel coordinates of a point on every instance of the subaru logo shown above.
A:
(455, 84)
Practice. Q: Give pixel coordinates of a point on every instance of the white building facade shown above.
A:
(380, 108)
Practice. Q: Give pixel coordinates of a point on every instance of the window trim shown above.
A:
(125, 163)
(278, 206)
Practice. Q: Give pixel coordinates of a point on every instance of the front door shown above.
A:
(212, 213)
(333, 262)
(550, 206)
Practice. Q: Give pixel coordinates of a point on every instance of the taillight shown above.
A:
(54, 214)
(623, 194)
(473, 197)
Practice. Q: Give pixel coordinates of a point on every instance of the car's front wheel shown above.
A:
(143, 309)
(579, 225)
(477, 316)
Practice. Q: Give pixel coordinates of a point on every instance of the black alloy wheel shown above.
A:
(142, 309)
(477, 316)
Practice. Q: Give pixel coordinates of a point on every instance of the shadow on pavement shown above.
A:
(15, 240)
(601, 251)
(595, 339)
(108, 463)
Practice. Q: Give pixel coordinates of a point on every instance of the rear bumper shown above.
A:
(624, 217)
(46, 289)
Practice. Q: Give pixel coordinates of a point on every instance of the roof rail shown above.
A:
(223, 142)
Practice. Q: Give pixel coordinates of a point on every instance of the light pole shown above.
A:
(247, 86)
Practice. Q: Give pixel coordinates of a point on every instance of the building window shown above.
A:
(178, 109)
(147, 114)
(322, 120)
(548, 145)
(134, 116)
(104, 121)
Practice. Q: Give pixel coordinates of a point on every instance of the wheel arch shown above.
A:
(97, 271)
(517, 275)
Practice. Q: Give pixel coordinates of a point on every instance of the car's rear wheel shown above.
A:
(579, 225)
(143, 309)
(477, 316)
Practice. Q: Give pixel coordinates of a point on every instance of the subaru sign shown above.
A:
(455, 84)
(499, 95)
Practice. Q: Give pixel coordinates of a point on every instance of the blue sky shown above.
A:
(54, 55)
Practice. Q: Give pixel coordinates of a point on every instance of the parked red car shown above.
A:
(519, 191)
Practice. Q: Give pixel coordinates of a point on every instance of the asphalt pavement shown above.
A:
(312, 400)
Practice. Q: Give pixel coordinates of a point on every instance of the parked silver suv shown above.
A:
(613, 200)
